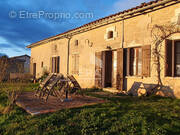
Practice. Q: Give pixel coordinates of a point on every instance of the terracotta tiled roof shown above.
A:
(142, 5)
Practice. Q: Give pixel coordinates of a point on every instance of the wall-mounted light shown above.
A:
(87, 42)
(90, 44)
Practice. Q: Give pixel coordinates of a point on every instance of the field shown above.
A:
(121, 115)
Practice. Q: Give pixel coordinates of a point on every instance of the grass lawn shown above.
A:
(121, 115)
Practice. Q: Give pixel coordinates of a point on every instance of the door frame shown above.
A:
(123, 69)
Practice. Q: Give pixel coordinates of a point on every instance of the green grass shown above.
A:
(121, 115)
(24, 86)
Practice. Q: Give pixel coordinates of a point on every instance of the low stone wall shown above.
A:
(20, 76)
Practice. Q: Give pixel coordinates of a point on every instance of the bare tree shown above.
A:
(12, 91)
(159, 34)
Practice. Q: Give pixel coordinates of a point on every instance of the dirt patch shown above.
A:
(36, 106)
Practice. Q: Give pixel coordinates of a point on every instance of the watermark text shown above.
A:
(23, 14)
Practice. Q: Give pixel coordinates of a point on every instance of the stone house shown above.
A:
(25, 60)
(14, 66)
(114, 52)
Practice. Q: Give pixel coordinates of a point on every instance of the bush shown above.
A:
(44, 75)
(12, 91)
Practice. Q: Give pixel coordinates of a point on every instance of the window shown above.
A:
(172, 65)
(42, 64)
(76, 42)
(110, 34)
(75, 64)
(55, 62)
(136, 61)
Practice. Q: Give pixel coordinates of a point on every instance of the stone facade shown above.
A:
(131, 32)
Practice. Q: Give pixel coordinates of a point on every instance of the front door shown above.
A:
(110, 68)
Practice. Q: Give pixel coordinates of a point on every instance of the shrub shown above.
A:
(12, 91)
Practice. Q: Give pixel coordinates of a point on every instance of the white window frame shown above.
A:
(115, 33)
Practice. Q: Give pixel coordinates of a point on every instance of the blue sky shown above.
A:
(17, 29)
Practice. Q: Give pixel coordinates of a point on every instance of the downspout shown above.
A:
(123, 34)
(68, 53)
(123, 52)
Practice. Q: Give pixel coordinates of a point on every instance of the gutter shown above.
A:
(108, 20)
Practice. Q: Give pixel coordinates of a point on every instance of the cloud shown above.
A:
(5, 46)
(16, 34)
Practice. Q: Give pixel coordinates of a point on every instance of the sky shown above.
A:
(23, 22)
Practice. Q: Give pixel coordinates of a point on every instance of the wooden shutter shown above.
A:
(103, 68)
(58, 64)
(50, 65)
(72, 64)
(53, 65)
(98, 69)
(146, 59)
(120, 73)
(168, 58)
(77, 63)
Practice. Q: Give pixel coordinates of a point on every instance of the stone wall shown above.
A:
(137, 32)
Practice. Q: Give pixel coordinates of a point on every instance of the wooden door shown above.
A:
(120, 69)
(98, 69)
